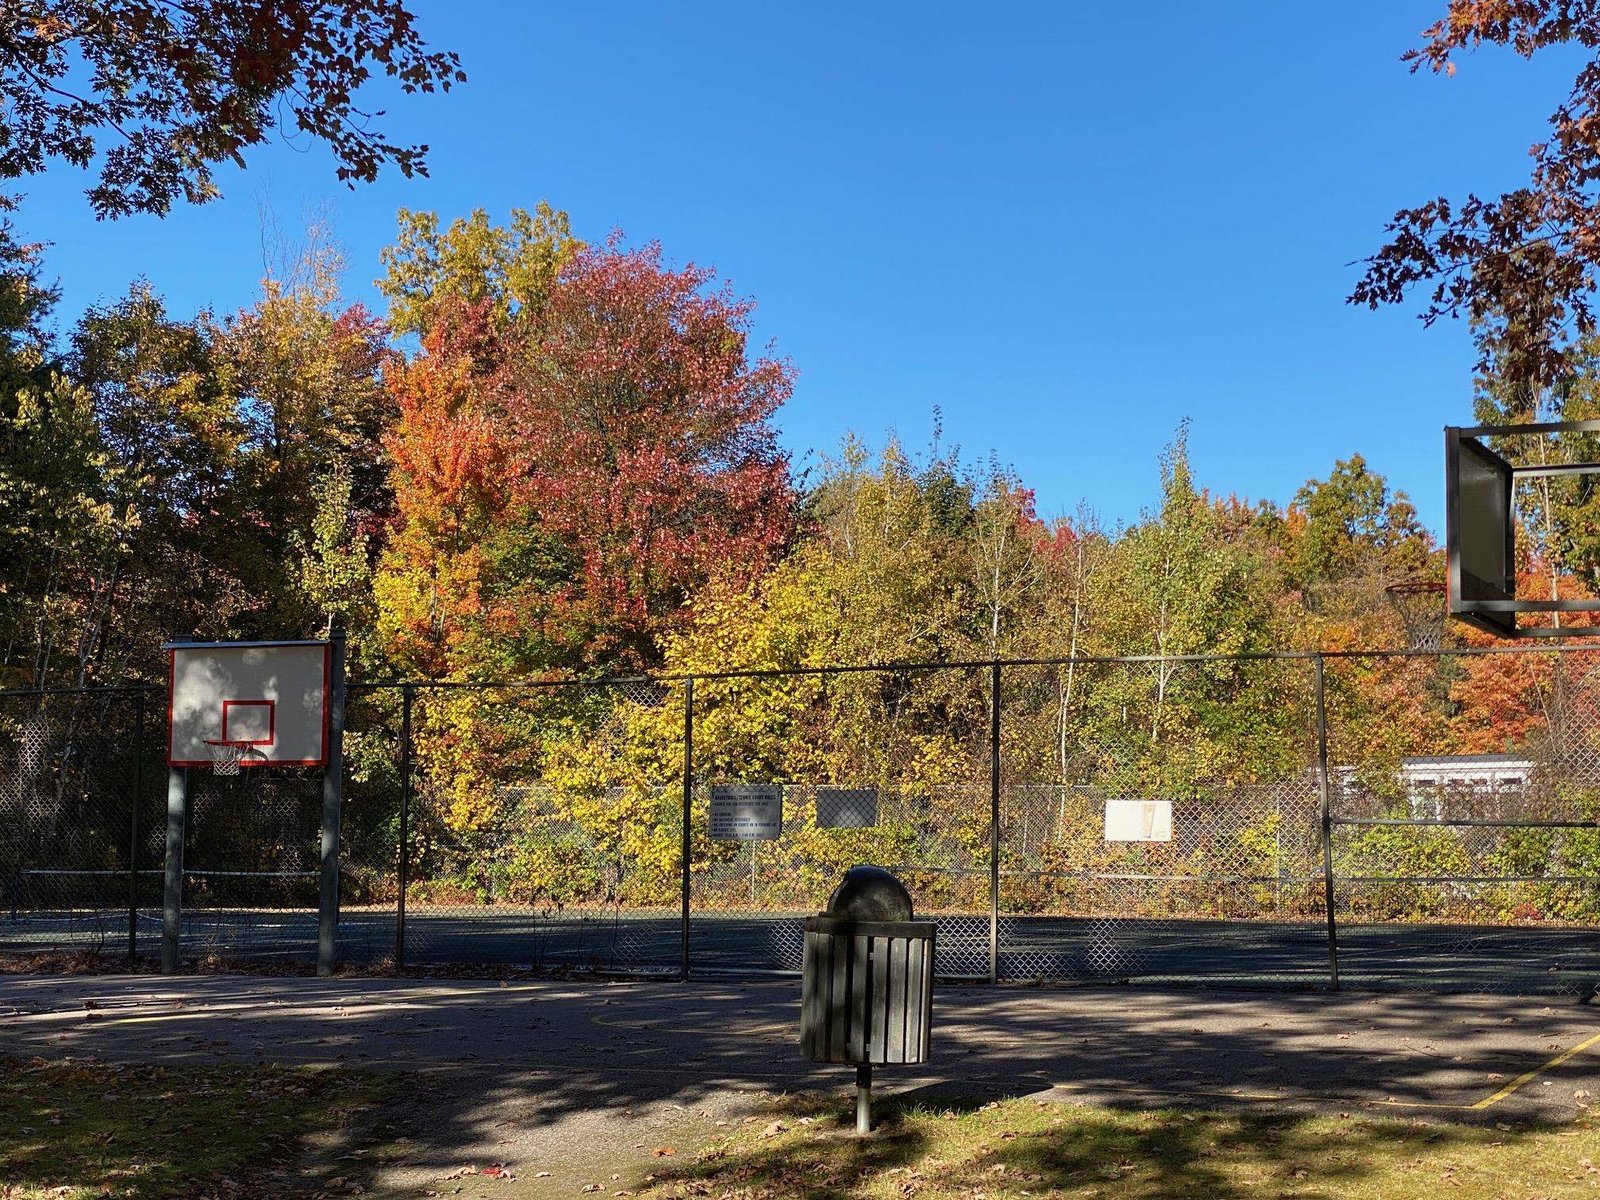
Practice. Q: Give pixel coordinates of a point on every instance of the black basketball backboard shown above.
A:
(1480, 532)
(1479, 535)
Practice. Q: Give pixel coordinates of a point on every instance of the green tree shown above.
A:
(509, 268)
(170, 420)
(1352, 536)
(335, 561)
(25, 305)
(1559, 517)
(63, 528)
(1176, 584)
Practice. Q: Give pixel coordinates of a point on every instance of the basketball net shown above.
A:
(1420, 603)
(226, 757)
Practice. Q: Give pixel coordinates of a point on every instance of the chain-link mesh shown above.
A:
(910, 748)
(250, 864)
(1465, 791)
(369, 826)
(81, 834)
(1235, 895)
(545, 826)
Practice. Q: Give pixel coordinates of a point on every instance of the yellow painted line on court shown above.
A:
(1529, 1076)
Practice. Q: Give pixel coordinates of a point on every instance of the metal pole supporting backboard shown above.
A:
(133, 827)
(332, 785)
(687, 831)
(172, 890)
(406, 696)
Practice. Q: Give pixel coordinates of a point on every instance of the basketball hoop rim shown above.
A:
(228, 755)
(1417, 587)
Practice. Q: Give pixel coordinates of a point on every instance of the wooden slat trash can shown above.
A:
(867, 980)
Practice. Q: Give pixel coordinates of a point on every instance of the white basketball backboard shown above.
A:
(271, 698)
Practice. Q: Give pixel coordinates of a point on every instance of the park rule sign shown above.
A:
(746, 812)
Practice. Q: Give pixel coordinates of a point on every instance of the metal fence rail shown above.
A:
(1419, 819)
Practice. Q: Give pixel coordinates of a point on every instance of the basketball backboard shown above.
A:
(266, 699)
(1480, 532)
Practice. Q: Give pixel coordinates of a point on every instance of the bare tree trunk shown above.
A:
(1072, 660)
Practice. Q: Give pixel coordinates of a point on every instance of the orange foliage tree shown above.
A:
(567, 479)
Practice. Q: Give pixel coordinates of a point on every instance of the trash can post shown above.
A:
(867, 981)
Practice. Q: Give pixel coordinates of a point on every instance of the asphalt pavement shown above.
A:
(583, 1080)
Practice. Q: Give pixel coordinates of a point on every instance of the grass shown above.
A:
(1023, 1148)
(76, 1129)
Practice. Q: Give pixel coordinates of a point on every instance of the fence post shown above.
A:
(688, 796)
(332, 792)
(406, 694)
(133, 828)
(994, 821)
(1324, 792)
(172, 888)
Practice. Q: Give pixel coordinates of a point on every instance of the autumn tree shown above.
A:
(160, 94)
(210, 476)
(508, 268)
(305, 374)
(896, 528)
(1004, 542)
(1521, 265)
(169, 420)
(567, 480)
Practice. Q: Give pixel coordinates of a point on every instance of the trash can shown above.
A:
(867, 980)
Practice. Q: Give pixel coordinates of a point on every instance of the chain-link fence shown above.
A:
(1464, 794)
(887, 766)
(1370, 820)
(1236, 895)
(542, 825)
(81, 826)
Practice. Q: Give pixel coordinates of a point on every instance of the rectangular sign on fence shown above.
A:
(746, 812)
(1138, 820)
(847, 808)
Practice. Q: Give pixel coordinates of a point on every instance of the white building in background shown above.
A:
(1441, 785)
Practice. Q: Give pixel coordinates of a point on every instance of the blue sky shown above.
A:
(1066, 226)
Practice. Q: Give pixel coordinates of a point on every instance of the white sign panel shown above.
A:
(1138, 820)
(746, 812)
(847, 808)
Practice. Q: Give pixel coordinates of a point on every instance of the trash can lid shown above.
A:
(870, 894)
